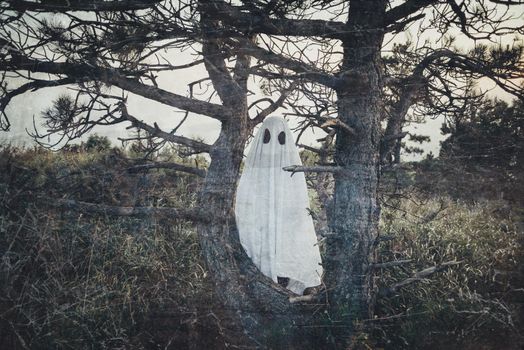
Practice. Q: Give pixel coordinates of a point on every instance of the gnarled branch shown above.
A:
(121, 79)
(157, 132)
(406, 9)
(261, 23)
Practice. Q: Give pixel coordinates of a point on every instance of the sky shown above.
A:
(26, 109)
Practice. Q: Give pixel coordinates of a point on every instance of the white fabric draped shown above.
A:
(272, 215)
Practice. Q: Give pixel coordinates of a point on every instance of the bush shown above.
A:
(97, 143)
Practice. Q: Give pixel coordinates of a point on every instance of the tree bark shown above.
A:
(355, 213)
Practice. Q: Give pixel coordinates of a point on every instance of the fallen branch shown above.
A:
(391, 264)
(166, 165)
(418, 276)
(94, 208)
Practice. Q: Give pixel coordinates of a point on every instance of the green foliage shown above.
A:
(62, 114)
(489, 135)
(97, 143)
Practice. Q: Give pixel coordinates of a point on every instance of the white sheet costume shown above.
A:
(275, 227)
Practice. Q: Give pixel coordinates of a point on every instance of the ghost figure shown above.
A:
(272, 215)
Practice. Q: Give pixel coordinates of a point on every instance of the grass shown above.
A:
(74, 281)
(472, 303)
(70, 281)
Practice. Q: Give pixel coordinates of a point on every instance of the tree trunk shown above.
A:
(262, 308)
(355, 212)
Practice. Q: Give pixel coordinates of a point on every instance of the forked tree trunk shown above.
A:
(259, 306)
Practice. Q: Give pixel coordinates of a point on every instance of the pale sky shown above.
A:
(23, 108)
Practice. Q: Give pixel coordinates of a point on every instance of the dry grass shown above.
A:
(73, 281)
(70, 281)
(475, 302)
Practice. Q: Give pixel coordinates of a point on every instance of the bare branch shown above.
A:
(261, 23)
(406, 9)
(168, 98)
(226, 87)
(274, 105)
(81, 5)
(417, 277)
(168, 165)
(119, 79)
(94, 208)
(31, 86)
(157, 132)
(304, 70)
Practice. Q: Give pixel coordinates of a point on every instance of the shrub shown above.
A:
(97, 143)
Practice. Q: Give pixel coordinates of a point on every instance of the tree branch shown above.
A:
(157, 132)
(81, 5)
(260, 23)
(302, 69)
(168, 165)
(30, 86)
(119, 79)
(194, 215)
(212, 110)
(274, 105)
(406, 9)
(417, 277)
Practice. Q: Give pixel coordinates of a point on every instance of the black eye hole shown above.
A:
(282, 138)
(267, 136)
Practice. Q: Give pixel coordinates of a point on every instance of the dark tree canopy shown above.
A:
(488, 134)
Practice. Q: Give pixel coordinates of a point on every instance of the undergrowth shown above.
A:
(470, 305)
(75, 281)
